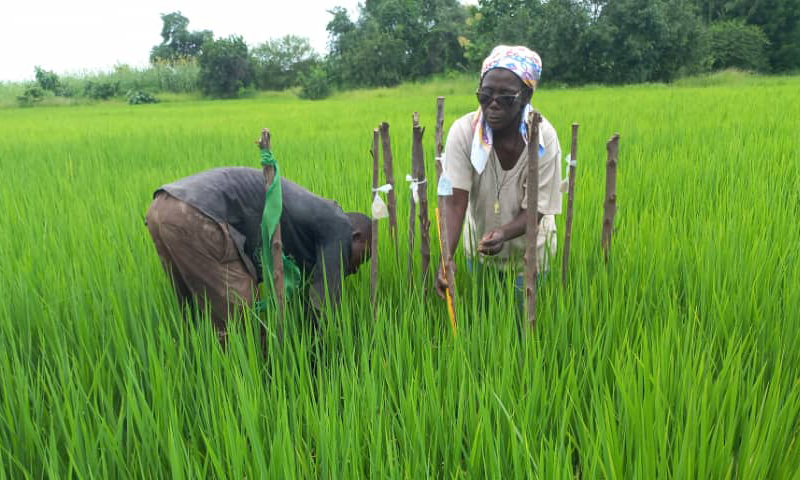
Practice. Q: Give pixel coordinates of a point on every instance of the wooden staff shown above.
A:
(276, 245)
(388, 170)
(374, 245)
(610, 205)
(532, 226)
(441, 222)
(570, 201)
(418, 172)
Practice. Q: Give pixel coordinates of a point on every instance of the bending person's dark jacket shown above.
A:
(316, 233)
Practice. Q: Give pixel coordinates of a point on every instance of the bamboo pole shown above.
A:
(418, 172)
(388, 171)
(276, 245)
(610, 205)
(570, 202)
(448, 272)
(532, 225)
(374, 245)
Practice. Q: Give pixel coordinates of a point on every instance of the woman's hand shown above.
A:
(441, 281)
(492, 242)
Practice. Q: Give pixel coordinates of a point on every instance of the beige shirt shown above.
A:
(508, 189)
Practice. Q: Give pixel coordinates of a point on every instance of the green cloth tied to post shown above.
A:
(273, 206)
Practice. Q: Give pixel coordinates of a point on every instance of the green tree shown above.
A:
(225, 67)
(736, 44)
(177, 42)
(279, 63)
(395, 40)
(778, 19)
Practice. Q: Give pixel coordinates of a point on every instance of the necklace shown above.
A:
(499, 184)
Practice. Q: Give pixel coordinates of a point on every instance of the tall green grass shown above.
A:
(679, 359)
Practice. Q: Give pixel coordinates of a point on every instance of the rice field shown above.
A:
(679, 359)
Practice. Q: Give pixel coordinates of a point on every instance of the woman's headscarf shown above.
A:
(525, 64)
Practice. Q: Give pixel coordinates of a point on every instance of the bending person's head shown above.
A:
(361, 241)
(509, 76)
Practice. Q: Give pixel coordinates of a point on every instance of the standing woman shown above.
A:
(486, 165)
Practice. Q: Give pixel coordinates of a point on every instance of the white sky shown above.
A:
(89, 35)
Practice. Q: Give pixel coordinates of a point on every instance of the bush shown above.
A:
(100, 90)
(50, 82)
(225, 67)
(33, 94)
(139, 97)
(737, 45)
(315, 85)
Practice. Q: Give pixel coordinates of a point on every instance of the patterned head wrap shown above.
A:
(525, 64)
(522, 61)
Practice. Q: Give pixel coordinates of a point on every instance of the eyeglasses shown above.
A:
(505, 101)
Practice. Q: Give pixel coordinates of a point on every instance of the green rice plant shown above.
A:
(676, 360)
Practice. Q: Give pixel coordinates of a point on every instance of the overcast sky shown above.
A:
(90, 35)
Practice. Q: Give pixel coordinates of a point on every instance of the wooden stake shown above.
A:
(276, 245)
(570, 201)
(388, 171)
(374, 245)
(411, 225)
(532, 225)
(418, 172)
(610, 205)
(439, 135)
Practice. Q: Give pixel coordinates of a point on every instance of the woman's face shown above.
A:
(499, 114)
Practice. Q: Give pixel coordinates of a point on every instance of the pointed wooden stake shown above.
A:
(374, 246)
(418, 172)
(532, 225)
(570, 202)
(388, 171)
(610, 205)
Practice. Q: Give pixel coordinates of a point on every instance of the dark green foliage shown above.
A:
(139, 97)
(279, 63)
(33, 94)
(616, 41)
(50, 82)
(736, 45)
(393, 41)
(46, 79)
(225, 67)
(778, 19)
(177, 42)
(101, 90)
(315, 84)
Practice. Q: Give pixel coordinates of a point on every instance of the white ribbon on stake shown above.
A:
(570, 163)
(414, 186)
(379, 209)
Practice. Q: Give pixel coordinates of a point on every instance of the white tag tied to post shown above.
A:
(414, 186)
(379, 209)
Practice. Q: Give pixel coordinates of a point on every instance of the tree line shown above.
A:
(580, 41)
